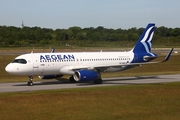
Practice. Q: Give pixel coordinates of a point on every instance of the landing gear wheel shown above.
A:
(98, 81)
(71, 79)
(30, 83)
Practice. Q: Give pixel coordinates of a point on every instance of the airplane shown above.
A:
(85, 66)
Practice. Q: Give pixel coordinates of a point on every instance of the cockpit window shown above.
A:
(22, 61)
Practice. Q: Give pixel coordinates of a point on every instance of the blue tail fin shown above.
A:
(145, 41)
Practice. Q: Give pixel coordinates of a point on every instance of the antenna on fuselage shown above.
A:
(52, 51)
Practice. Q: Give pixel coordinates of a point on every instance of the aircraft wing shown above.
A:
(81, 67)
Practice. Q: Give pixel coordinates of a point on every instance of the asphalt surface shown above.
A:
(64, 84)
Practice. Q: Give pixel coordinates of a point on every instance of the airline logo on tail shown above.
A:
(144, 43)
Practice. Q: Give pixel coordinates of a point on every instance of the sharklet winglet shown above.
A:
(168, 55)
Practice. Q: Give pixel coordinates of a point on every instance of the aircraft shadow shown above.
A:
(44, 82)
(115, 80)
(105, 81)
(133, 78)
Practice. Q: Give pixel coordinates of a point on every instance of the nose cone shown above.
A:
(8, 69)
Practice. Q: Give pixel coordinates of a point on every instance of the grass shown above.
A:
(132, 102)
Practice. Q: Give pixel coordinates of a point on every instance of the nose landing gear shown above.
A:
(30, 83)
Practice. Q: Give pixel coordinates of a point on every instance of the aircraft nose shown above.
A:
(8, 69)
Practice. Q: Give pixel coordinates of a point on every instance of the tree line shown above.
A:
(27, 36)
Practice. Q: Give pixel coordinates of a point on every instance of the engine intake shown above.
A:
(86, 75)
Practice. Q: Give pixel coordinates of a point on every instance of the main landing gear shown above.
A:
(97, 81)
(71, 79)
(30, 83)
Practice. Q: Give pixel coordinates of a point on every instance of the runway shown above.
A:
(64, 84)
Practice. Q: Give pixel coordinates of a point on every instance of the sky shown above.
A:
(62, 14)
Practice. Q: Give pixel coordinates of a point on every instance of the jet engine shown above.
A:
(86, 75)
(50, 76)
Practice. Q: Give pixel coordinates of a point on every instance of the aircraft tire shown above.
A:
(71, 79)
(30, 83)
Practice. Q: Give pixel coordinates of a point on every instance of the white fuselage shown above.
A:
(67, 63)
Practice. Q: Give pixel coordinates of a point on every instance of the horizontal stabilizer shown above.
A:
(147, 58)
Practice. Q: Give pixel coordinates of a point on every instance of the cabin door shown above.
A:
(35, 62)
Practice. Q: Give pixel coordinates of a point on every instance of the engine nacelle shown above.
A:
(86, 75)
(50, 76)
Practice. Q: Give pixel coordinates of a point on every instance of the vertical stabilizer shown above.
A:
(145, 41)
